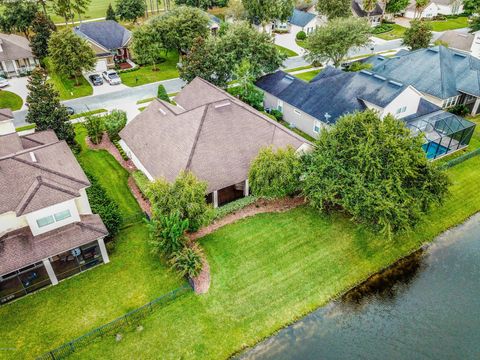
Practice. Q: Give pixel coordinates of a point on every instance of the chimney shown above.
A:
(6, 122)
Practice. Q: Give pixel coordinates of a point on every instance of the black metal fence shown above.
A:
(130, 319)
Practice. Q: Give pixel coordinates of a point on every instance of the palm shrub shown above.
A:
(114, 123)
(168, 233)
(94, 126)
(275, 174)
(188, 261)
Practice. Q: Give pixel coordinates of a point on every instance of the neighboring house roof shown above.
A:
(438, 71)
(301, 18)
(6, 114)
(37, 171)
(332, 93)
(457, 40)
(14, 47)
(108, 34)
(212, 134)
(20, 248)
(357, 8)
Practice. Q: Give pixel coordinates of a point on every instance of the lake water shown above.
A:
(427, 307)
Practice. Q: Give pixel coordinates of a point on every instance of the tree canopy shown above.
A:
(375, 170)
(471, 7)
(130, 10)
(268, 10)
(110, 14)
(147, 45)
(418, 36)
(17, 16)
(396, 6)
(333, 41)
(70, 54)
(334, 8)
(42, 28)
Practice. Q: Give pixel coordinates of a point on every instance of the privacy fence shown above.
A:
(128, 320)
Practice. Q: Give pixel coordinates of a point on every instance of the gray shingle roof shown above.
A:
(437, 71)
(216, 136)
(14, 47)
(357, 8)
(109, 34)
(301, 18)
(331, 92)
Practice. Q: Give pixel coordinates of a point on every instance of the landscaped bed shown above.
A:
(10, 100)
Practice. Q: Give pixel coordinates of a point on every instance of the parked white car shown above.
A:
(3, 82)
(111, 77)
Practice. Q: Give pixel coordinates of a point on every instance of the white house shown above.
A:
(434, 8)
(47, 229)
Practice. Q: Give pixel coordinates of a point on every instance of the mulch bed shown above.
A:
(201, 283)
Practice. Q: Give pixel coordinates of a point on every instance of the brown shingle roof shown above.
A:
(20, 248)
(28, 185)
(14, 47)
(216, 136)
(458, 41)
(6, 114)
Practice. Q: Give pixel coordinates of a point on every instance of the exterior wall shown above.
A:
(9, 222)
(135, 160)
(475, 50)
(455, 8)
(430, 11)
(82, 203)
(67, 205)
(7, 127)
(409, 98)
(18, 66)
(433, 99)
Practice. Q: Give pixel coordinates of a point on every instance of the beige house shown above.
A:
(16, 57)
(208, 132)
(47, 229)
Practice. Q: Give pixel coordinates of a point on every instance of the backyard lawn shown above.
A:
(449, 24)
(396, 33)
(287, 52)
(269, 270)
(66, 87)
(308, 75)
(10, 100)
(145, 74)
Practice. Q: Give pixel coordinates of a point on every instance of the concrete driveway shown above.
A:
(19, 87)
(288, 41)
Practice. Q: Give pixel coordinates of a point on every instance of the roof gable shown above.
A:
(109, 34)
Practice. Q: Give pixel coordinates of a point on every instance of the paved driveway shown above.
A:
(19, 87)
(288, 41)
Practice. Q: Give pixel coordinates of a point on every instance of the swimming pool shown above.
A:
(434, 150)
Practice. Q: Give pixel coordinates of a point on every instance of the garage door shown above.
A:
(101, 65)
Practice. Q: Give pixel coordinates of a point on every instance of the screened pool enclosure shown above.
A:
(443, 133)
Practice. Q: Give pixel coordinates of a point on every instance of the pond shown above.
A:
(425, 307)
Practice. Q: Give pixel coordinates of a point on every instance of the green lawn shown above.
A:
(109, 173)
(449, 24)
(302, 43)
(66, 87)
(10, 100)
(145, 74)
(299, 68)
(287, 52)
(396, 33)
(308, 75)
(269, 270)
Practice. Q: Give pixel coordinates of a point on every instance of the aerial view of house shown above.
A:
(266, 180)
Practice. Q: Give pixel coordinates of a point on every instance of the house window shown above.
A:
(451, 102)
(401, 110)
(280, 106)
(316, 127)
(62, 215)
(47, 220)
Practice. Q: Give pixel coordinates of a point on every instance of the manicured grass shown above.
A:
(302, 43)
(109, 173)
(287, 52)
(25, 127)
(299, 68)
(145, 74)
(66, 87)
(269, 270)
(449, 24)
(297, 131)
(10, 100)
(308, 75)
(87, 113)
(396, 33)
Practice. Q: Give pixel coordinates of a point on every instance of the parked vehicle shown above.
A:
(112, 77)
(96, 79)
(70, 110)
(3, 82)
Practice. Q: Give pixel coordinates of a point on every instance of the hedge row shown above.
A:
(142, 182)
(120, 150)
(236, 205)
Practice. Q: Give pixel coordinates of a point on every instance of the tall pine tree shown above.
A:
(111, 13)
(42, 27)
(45, 110)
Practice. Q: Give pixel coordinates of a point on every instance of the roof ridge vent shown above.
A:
(380, 77)
(460, 55)
(163, 112)
(366, 72)
(33, 157)
(396, 83)
(221, 105)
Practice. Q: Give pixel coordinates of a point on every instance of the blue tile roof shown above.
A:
(332, 92)
(109, 34)
(301, 18)
(437, 71)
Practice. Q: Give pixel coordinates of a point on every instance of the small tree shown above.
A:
(147, 46)
(334, 8)
(44, 108)
(70, 54)
(114, 123)
(275, 174)
(162, 93)
(186, 195)
(110, 15)
(42, 29)
(475, 24)
(418, 36)
(375, 170)
(301, 35)
(333, 41)
(130, 10)
(94, 126)
(268, 10)
(396, 6)
(188, 261)
(168, 233)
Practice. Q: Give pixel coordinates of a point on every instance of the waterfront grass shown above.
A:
(271, 269)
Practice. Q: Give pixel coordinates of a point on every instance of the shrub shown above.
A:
(301, 35)
(95, 127)
(104, 206)
(460, 109)
(120, 150)
(168, 233)
(275, 174)
(277, 114)
(383, 28)
(358, 66)
(142, 182)
(188, 261)
(250, 95)
(162, 93)
(186, 195)
(114, 123)
(233, 206)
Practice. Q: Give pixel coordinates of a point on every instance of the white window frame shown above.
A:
(315, 126)
(54, 218)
